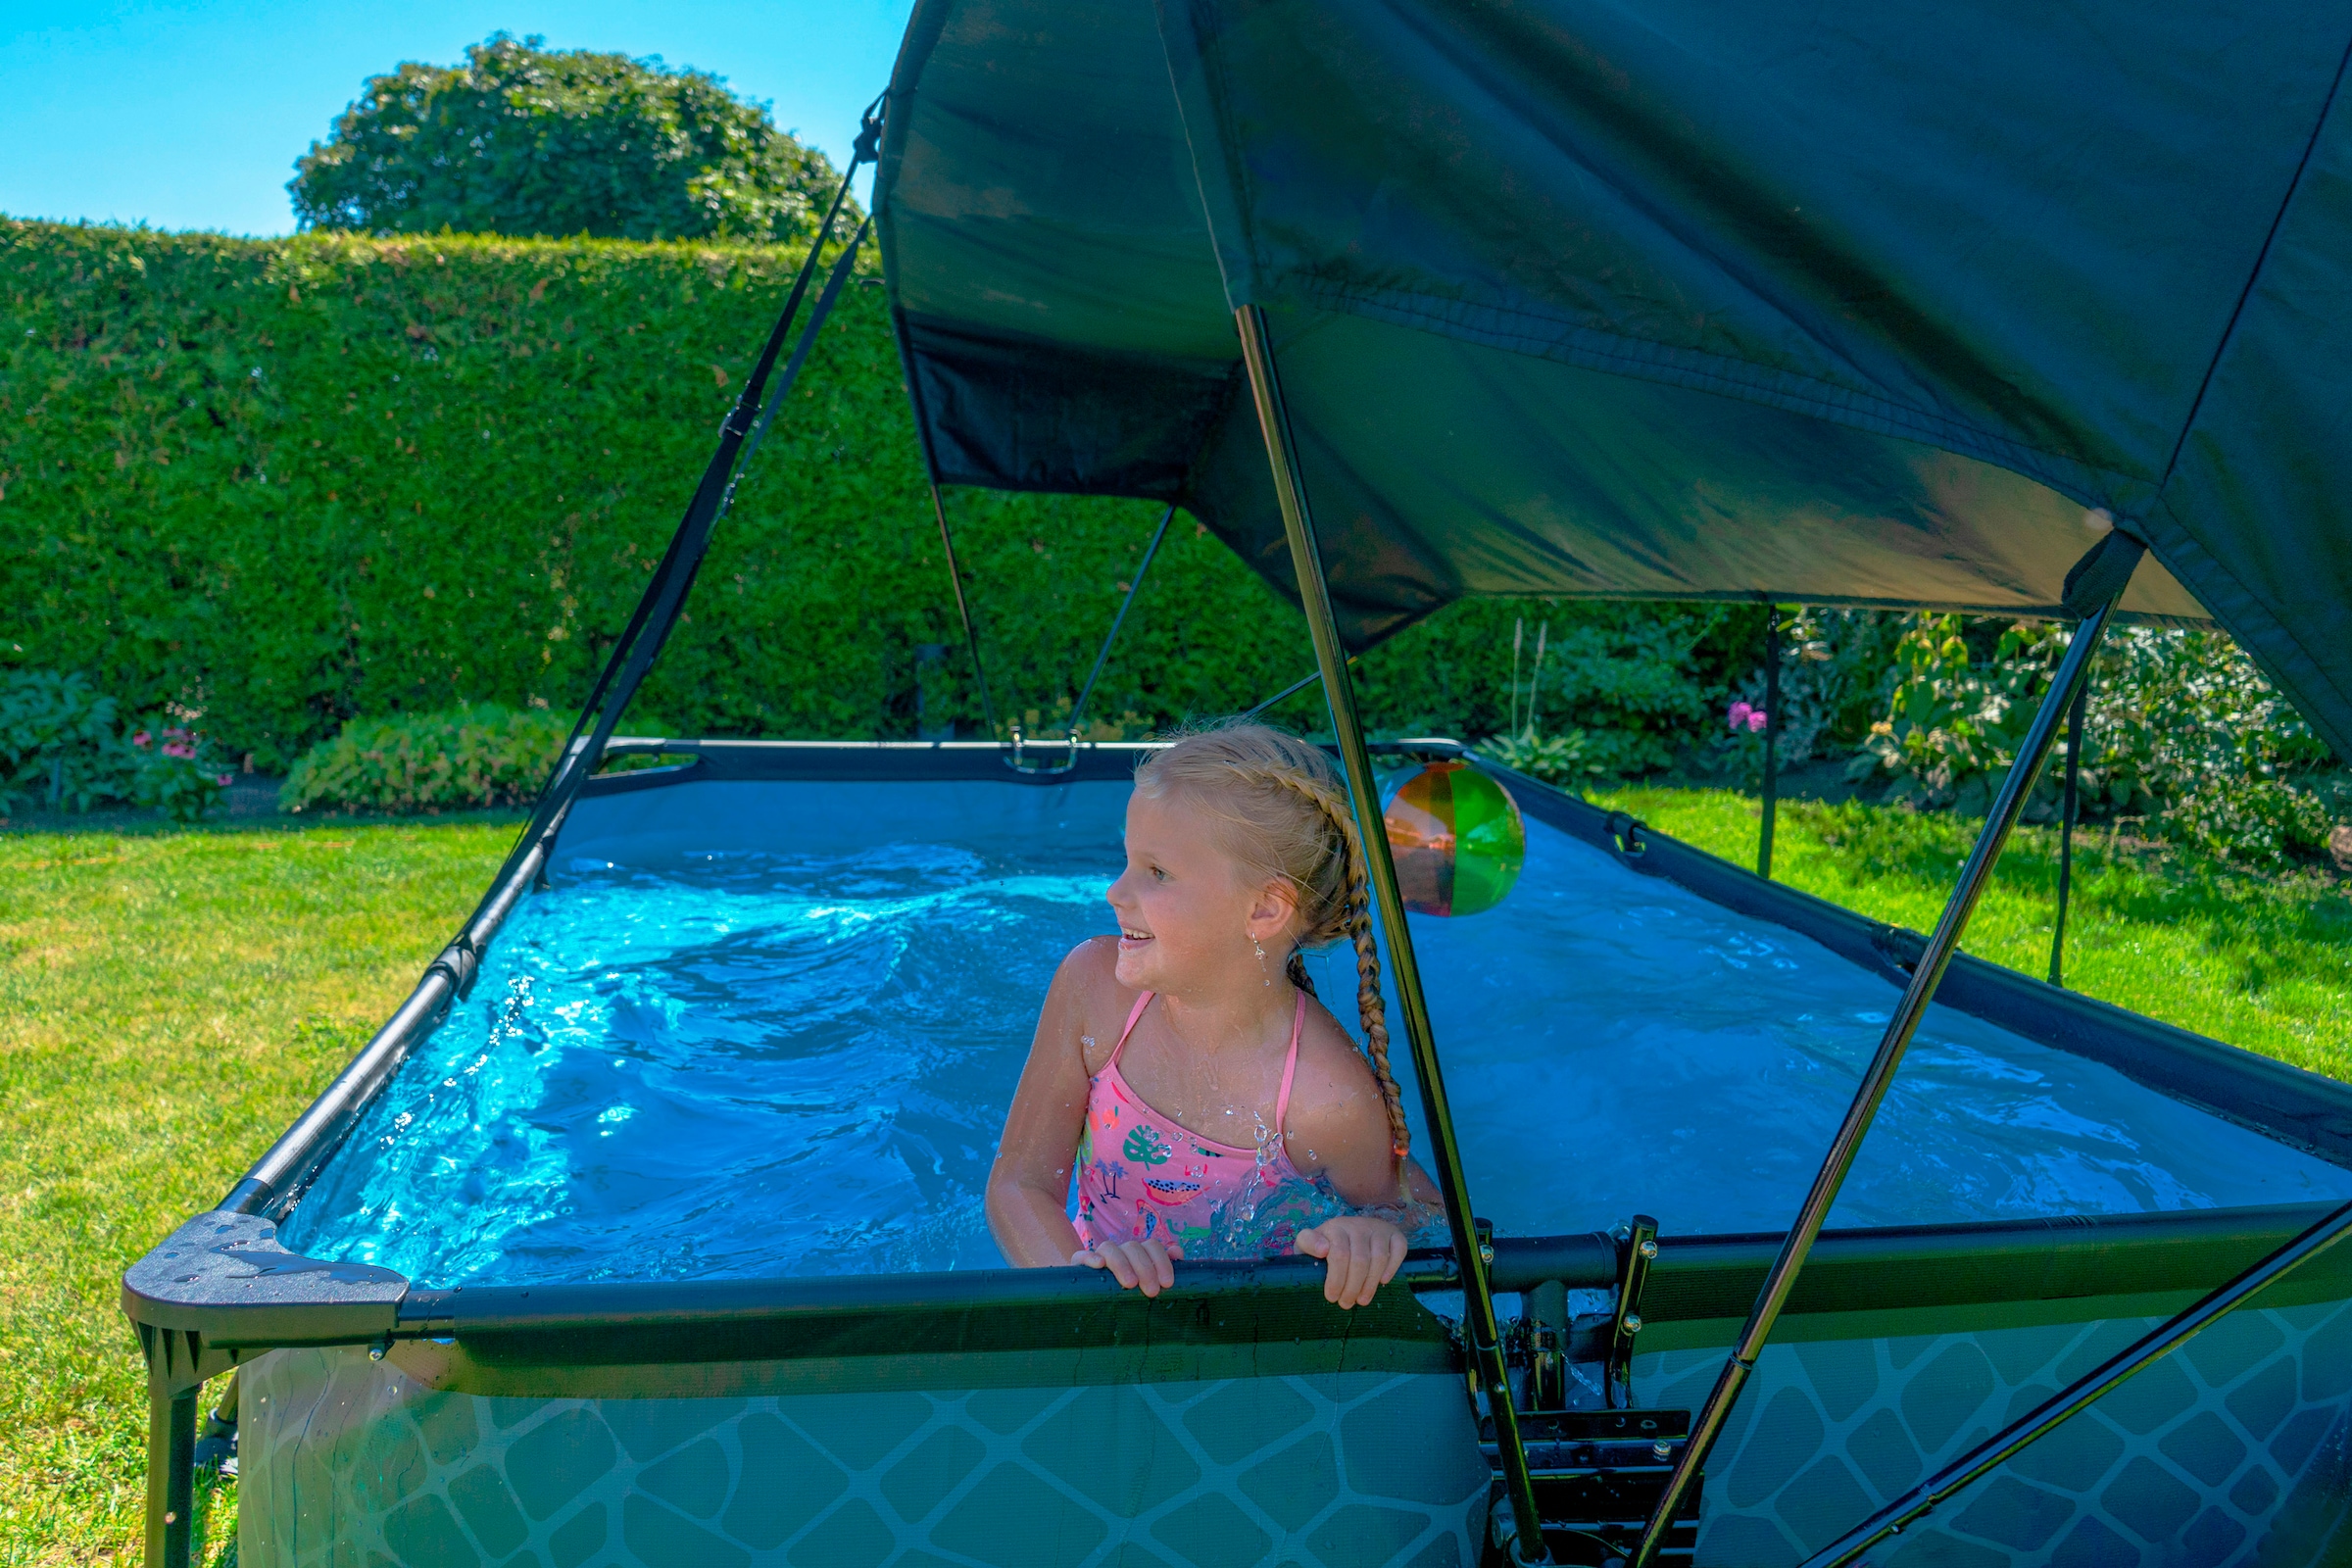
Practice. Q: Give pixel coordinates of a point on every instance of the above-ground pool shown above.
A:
(664, 1246)
(786, 1047)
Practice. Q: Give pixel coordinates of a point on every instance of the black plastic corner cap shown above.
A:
(2103, 572)
(224, 1276)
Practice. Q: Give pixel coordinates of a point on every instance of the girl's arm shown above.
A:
(1345, 1124)
(1029, 1186)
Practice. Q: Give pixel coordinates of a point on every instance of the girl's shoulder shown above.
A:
(1086, 985)
(1333, 1084)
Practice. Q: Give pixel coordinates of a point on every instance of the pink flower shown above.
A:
(179, 748)
(1756, 720)
(139, 740)
(1740, 715)
(176, 734)
(223, 779)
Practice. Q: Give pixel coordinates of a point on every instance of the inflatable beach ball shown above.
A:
(1456, 837)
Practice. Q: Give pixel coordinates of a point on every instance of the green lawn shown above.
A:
(169, 1000)
(2263, 962)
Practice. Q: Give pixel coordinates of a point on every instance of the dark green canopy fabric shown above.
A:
(1866, 303)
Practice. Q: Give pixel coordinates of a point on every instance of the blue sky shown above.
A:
(189, 114)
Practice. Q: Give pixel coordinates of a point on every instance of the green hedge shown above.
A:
(287, 483)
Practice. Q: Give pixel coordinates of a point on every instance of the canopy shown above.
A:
(1895, 305)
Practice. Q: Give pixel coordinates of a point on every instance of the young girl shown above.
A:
(1184, 1066)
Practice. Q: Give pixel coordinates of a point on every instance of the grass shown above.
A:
(169, 1000)
(2260, 962)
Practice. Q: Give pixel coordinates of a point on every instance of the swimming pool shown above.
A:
(793, 1056)
(629, 1283)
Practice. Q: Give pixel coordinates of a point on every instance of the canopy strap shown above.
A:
(1470, 1250)
(2110, 568)
(2068, 808)
(1135, 586)
(1772, 739)
(1292, 689)
(963, 610)
(658, 609)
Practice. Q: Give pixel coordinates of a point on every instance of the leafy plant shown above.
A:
(1837, 674)
(2183, 735)
(177, 772)
(473, 755)
(1561, 757)
(524, 141)
(1954, 721)
(2183, 728)
(59, 743)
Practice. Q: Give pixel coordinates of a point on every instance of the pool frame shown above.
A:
(222, 1291)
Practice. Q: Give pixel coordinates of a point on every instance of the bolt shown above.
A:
(1649, 1249)
(1633, 1322)
(1662, 1451)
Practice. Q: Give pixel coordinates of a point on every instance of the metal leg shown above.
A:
(1974, 876)
(1772, 738)
(2066, 811)
(171, 1473)
(1444, 1155)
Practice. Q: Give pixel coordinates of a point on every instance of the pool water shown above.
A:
(773, 1029)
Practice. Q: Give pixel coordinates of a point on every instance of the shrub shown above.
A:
(527, 140)
(59, 743)
(2182, 734)
(473, 754)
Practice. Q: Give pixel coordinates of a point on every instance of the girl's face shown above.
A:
(1188, 912)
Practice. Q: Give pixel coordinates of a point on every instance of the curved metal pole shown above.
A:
(1314, 595)
(2073, 670)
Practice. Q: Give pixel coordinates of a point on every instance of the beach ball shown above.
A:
(1456, 837)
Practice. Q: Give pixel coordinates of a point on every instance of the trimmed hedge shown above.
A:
(287, 483)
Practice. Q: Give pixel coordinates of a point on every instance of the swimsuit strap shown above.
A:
(1140, 1002)
(1290, 1067)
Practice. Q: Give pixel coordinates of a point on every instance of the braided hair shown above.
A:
(1284, 815)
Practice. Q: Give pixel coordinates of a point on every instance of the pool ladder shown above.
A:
(1597, 1472)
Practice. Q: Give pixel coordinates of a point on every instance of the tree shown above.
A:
(524, 141)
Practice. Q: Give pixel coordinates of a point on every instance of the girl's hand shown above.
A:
(1148, 1266)
(1360, 1255)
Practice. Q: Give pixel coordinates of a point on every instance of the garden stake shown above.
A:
(1772, 738)
(2066, 832)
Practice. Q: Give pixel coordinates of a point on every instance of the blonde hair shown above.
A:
(1284, 816)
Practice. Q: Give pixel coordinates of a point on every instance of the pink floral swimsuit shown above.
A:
(1141, 1175)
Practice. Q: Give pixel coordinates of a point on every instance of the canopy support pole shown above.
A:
(1134, 587)
(2066, 811)
(2096, 583)
(1444, 1155)
(1772, 738)
(2054, 1412)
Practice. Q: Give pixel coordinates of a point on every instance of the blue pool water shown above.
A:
(773, 1029)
